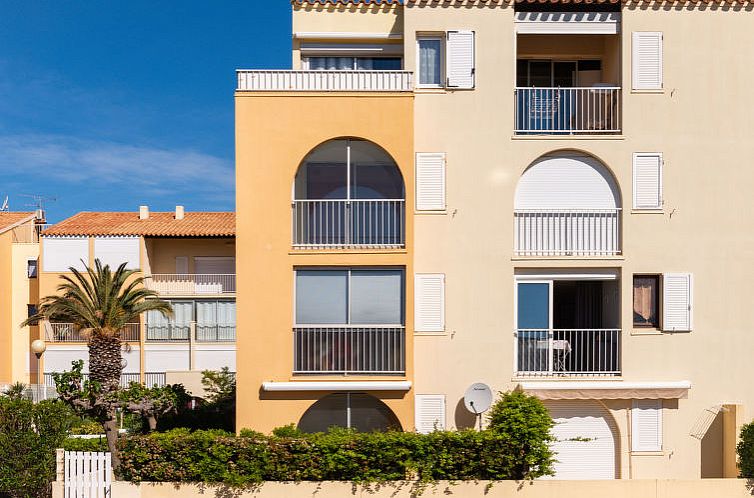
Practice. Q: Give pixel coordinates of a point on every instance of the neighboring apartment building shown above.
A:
(188, 258)
(546, 195)
(19, 250)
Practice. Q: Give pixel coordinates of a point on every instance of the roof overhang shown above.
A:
(568, 23)
(607, 390)
(390, 385)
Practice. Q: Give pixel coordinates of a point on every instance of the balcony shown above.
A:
(186, 284)
(592, 110)
(324, 81)
(567, 352)
(67, 332)
(574, 232)
(343, 224)
(182, 333)
(349, 350)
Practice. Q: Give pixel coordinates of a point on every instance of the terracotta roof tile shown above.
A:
(8, 219)
(347, 2)
(194, 224)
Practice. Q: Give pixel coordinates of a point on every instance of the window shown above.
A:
(646, 425)
(430, 181)
(31, 268)
(675, 307)
(646, 63)
(353, 63)
(114, 251)
(557, 73)
(61, 253)
(429, 61)
(31, 310)
(429, 412)
(352, 296)
(646, 301)
(647, 180)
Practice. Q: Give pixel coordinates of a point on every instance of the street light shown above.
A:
(38, 347)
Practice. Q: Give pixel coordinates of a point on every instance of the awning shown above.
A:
(608, 390)
(561, 23)
(396, 385)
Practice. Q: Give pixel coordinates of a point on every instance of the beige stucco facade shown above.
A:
(696, 121)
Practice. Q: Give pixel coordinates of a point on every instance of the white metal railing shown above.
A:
(349, 350)
(188, 284)
(567, 352)
(67, 332)
(567, 232)
(215, 333)
(86, 474)
(125, 379)
(577, 110)
(369, 223)
(168, 332)
(317, 81)
(152, 379)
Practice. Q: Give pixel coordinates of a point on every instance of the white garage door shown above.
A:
(585, 443)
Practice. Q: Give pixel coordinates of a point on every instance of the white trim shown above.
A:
(587, 23)
(333, 35)
(583, 274)
(441, 38)
(400, 385)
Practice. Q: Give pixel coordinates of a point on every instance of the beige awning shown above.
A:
(607, 389)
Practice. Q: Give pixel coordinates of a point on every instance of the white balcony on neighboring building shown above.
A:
(187, 284)
(324, 81)
(68, 332)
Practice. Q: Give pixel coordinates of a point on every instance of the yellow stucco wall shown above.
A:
(273, 134)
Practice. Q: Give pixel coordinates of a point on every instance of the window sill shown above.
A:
(647, 211)
(648, 453)
(646, 331)
(430, 89)
(431, 213)
(430, 334)
(656, 91)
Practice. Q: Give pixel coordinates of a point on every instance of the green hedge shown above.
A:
(220, 457)
(88, 444)
(745, 451)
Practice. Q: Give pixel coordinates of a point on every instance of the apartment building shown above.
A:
(188, 258)
(551, 196)
(19, 249)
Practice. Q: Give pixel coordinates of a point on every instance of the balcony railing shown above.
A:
(188, 284)
(320, 81)
(67, 332)
(152, 379)
(594, 232)
(125, 378)
(349, 350)
(340, 224)
(577, 110)
(215, 333)
(169, 332)
(568, 352)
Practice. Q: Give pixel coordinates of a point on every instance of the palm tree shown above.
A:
(100, 303)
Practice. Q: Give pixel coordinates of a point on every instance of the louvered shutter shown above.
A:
(114, 251)
(646, 425)
(677, 302)
(646, 63)
(430, 181)
(460, 59)
(647, 181)
(60, 253)
(429, 302)
(430, 412)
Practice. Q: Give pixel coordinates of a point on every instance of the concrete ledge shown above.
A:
(701, 488)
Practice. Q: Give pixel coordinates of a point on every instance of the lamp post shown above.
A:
(38, 347)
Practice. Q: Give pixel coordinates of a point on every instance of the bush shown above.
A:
(85, 444)
(29, 435)
(217, 411)
(745, 449)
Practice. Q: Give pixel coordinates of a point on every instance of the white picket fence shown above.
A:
(85, 474)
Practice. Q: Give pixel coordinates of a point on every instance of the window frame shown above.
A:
(657, 301)
(32, 263)
(440, 37)
(355, 67)
(348, 270)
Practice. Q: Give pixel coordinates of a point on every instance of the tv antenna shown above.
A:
(478, 399)
(5, 207)
(38, 203)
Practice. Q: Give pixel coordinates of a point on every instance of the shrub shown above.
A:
(29, 435)
(217, 411)
(85, 444)
(745, 449)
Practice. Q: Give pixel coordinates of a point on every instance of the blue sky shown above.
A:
(108, 104)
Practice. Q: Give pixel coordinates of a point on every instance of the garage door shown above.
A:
(585, 445)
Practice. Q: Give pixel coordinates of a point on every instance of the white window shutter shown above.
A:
(646, 60)
(646, 425)
(429, 302)
(647, 181)
(116, 250)
(677, 302)
(430, 181)
(459, 62)
(429, 412)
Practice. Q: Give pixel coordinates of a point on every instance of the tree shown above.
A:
(99, 303)
(153, 402)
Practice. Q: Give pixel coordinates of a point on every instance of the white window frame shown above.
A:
(431, 36)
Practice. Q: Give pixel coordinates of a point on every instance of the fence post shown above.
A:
(59, 464)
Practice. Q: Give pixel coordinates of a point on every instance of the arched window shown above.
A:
(358, 411)
(567, 204)
(348, 193)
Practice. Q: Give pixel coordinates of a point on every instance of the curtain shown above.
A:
(429, 62)
(644, 301)
(330, 63)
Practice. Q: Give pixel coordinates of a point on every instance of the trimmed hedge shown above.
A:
(220, 457)
(745, 449)
(88, 444)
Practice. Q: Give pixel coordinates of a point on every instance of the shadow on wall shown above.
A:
(464, 419)
(712, 449)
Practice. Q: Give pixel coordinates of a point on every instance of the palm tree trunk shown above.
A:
(105, 360)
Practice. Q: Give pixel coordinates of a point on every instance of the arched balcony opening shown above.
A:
(348, 193)
(567, 204)
(358, 411)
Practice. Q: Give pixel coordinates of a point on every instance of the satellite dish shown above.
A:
(478, 398)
